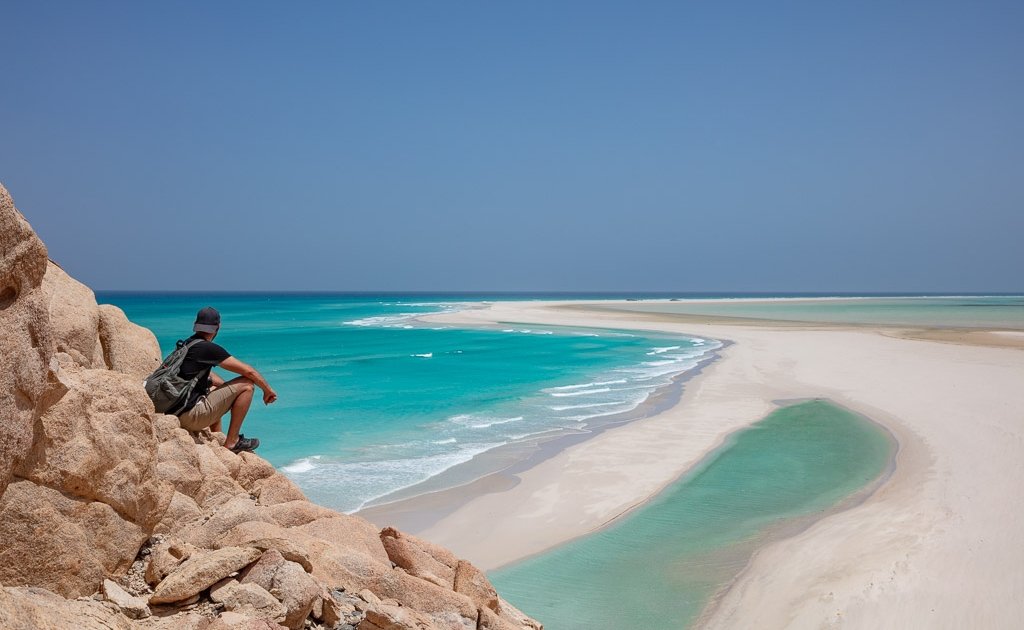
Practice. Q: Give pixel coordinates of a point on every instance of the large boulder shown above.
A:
(348, 533)
(420, 558)
(390, 617)
(39, 609)
(64, 544)
(94, 440)
(126, 347)
(200, 572)
(74, 315)
(26, 336)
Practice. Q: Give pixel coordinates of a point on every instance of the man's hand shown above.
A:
(269, 396)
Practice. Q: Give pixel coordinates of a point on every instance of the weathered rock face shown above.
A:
(39, 609)
(26, 336)
(94, 440)
(126, 347)
(89, 474)
(74, 315)
(66, 545)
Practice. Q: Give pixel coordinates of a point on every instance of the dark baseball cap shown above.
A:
(207, 320)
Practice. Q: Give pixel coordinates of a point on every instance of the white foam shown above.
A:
(662, 350)
(561, 388)
(385, 321)
(580, 392)
(305, 464)
(426, 355)
(481, 422)
(587, 406)
(485, 424)
(448, 441)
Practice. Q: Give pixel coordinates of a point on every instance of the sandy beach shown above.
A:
(939, 544)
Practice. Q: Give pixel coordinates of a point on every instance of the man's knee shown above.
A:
(242, 384)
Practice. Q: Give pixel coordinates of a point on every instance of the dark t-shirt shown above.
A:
(201, 358)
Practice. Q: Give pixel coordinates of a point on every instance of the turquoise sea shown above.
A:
(372, 401)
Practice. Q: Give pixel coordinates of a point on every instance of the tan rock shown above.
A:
(370, 597)
(289, 549)
(236, 621)
(181, 514)
(74, 315)
(216, 491)
(26, 335)
(348, 532)
(217, 486)
(201, 571)
(130, 606)
(164, 558)
(490, 620)
(329, 610)
(276, 489)
(517, 617)
(178, 462)
(385, 617)
(471, 582)
(345, 568)
(67, 545)
(447, 608)
(249, 599)
(262, 572)
(243, 534)
(297, 591)
(420, 558)
(126, 347)
(166, 426)
(295, 513)
(239, 509)
(95, 441)
(39, 609)
(232, 462)
(252, 469)
(181, 621)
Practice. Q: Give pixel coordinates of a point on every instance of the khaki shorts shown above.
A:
(210, 408)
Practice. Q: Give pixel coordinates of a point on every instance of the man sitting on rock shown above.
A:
(212, 396)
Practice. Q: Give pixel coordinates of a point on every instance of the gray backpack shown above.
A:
(168, 391)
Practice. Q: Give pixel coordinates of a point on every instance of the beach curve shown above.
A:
(879, 563)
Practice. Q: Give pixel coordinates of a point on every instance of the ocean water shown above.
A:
(998, 312)
(660, 565)
(373, 401)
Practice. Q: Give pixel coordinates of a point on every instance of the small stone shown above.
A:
(132, 607)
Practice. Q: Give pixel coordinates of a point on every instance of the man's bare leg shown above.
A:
(239, 408)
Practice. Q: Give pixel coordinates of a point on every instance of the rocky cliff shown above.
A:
(112, 516)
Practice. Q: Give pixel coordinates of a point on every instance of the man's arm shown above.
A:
(232, 364)
(215, 381)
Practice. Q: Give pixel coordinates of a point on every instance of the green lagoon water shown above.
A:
(660, 565)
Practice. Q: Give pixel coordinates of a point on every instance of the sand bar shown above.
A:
(940, 544)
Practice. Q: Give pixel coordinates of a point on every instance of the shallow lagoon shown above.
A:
(661, 565)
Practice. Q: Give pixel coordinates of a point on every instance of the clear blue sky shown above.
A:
(630, 146)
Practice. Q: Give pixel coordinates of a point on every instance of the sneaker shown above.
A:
(245, 444)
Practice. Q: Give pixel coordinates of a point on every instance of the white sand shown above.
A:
(939, 545)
